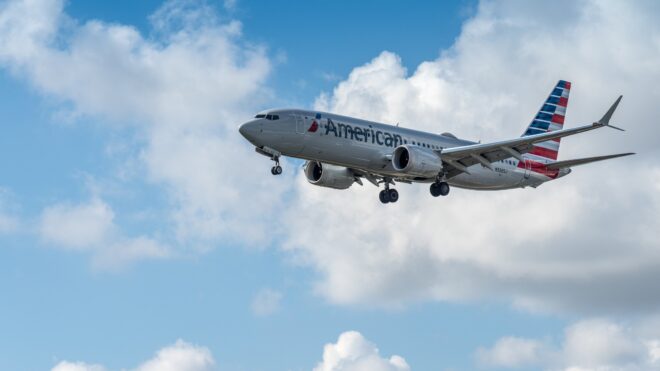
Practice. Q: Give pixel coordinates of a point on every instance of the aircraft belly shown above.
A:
(486, 179)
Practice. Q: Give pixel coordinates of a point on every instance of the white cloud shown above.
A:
(77, 366)
(352, 352)
(185, 88)
(513, 352)
(592, 344)
(180, 356)
(585, 243)
(90, 227)
(266, 302)
(79, 227)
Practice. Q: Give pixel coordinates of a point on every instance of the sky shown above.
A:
(140, 231)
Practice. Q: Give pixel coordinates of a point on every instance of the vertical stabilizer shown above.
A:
(549, 118)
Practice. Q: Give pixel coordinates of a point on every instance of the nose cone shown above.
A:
(249, 130)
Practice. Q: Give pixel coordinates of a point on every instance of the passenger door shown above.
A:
(300, 125)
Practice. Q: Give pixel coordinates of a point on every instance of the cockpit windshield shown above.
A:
(267, 117)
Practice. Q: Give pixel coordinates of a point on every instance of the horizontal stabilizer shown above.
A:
(582, 161)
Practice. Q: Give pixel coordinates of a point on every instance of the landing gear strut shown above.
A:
(277, 169)
(439, 189)
(387, 194)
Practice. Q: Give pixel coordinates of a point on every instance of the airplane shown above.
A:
(341, 150)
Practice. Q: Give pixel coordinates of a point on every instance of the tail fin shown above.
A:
(549, 118)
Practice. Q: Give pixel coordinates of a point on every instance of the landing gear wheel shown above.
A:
(384, 196)
(443, 188)
(276, 170)
(393, 194)
(439, 189)
(435, 190)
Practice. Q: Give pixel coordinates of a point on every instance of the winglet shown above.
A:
(608, 115)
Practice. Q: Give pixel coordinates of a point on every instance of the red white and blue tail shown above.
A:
(549, 118)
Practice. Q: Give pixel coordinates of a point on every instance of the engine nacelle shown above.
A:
(416, 161)
(331, 176)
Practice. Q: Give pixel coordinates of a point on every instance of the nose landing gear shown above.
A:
(277, 169)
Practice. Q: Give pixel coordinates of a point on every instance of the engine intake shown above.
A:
(416, 161)
(331, 176)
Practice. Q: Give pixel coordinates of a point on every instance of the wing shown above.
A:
(460, 158)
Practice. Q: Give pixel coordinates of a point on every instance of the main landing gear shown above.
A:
(388, 195)
(277, 169)
(439, 188)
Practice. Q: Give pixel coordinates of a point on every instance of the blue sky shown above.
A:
(135, 223)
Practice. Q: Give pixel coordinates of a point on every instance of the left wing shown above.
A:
(460, 158)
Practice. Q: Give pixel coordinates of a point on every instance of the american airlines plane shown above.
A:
(343, 150)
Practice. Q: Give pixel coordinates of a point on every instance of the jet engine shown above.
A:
(416, 161)
(331, 176)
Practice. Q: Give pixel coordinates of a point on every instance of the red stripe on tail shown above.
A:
(544, 152)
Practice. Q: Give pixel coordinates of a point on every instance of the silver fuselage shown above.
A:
(368, 146)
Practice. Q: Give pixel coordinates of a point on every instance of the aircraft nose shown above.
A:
(249, 130)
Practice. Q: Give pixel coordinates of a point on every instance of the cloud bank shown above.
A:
(182, 91)
(587, 243)
(584, 244)
(180, 356)
(594, 344)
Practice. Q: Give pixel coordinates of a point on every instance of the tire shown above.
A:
(435, 189)
(272, 170)
(394, 195)
(384, 196)
(444, 188)
(278, 170)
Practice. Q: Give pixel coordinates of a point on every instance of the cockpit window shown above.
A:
(267, 116)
